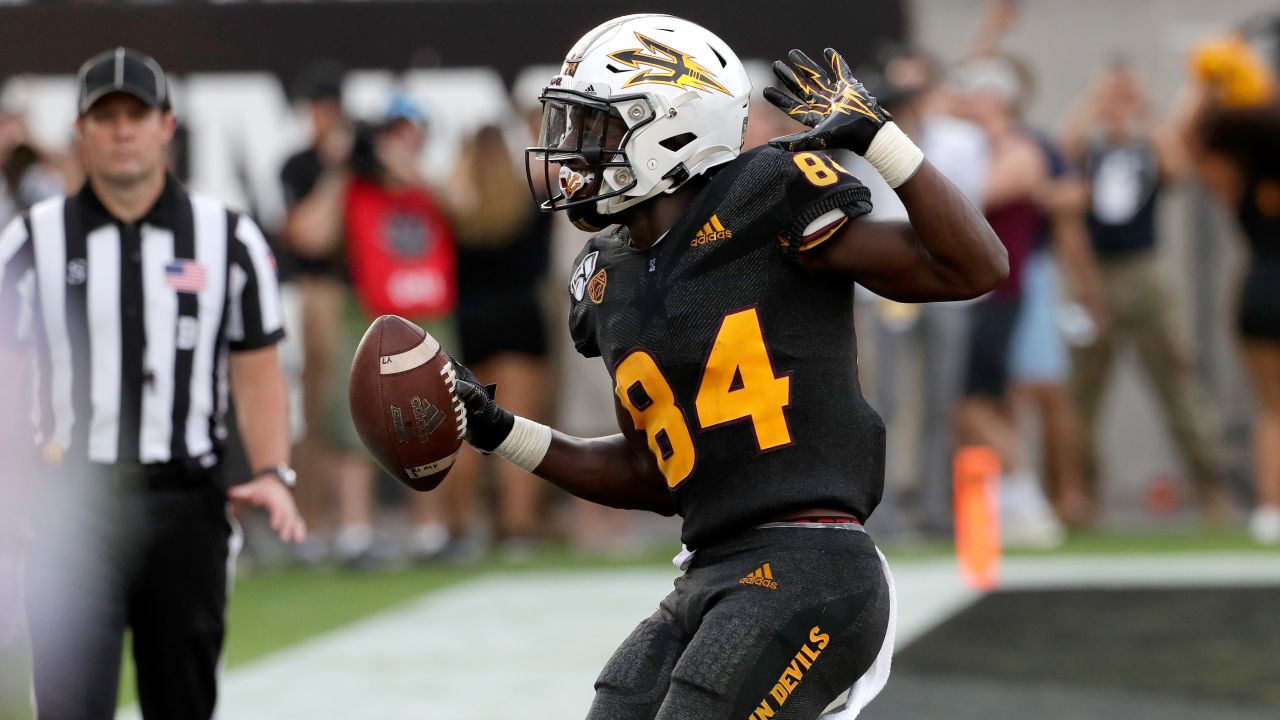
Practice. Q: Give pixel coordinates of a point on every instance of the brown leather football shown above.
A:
(403, 403)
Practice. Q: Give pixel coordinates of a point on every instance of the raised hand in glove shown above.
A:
(488, 424)
(842, 115)
(840, 111)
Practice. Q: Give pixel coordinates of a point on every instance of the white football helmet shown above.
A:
(642, 104)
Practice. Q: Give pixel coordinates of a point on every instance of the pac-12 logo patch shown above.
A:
(595, 288)
(579, 279)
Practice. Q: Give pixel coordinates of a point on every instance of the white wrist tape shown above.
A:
(893, 155)
(526, 444)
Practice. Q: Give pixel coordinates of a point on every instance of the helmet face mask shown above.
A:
(642, 104)
(580, 157)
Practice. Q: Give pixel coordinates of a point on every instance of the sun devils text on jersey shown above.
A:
(738, 365)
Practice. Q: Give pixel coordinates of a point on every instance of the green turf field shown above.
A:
(274, 609)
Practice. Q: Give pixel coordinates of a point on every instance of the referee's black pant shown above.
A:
(137, 547)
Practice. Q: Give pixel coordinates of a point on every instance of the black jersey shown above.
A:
(739, 366)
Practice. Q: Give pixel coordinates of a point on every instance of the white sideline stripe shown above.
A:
(1161, 571)
(409, 359)
(537, 641)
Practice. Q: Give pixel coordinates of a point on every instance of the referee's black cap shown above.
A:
(122, 70)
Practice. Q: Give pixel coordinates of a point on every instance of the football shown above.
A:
(403, 403)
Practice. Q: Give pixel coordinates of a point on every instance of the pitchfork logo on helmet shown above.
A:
(642, 104)
(672, 67)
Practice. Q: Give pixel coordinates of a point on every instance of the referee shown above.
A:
(144, 307)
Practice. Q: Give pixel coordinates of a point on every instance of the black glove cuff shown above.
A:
(488, 424)
(855, 136)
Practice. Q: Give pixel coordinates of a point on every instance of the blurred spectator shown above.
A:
(403, 261)
(1062, 322)
(1039, 361)
(26, 177)
(504, 244)
(314, 181)
(1231, 126)
(583, 395)
(937, 332)
(1127, 163)
(1018, 173)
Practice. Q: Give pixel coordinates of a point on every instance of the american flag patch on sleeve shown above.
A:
(184, 276)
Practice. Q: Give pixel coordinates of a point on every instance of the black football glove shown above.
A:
(841, 112)
(487, 423)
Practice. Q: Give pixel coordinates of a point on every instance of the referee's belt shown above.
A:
(188, 474)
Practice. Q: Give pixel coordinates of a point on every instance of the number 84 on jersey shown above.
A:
(738, 383)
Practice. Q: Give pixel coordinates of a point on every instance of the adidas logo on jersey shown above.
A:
(710, 233)
(762, 577)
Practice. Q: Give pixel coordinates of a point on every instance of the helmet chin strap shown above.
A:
(590, 218)
(586, 219)
(620, 203)
(596, 218)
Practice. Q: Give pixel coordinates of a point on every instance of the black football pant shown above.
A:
(775, 623)
(143, 549)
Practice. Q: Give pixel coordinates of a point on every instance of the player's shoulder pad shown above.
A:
(816, 184)
(790, 188)
(589, 258)
(593, 256)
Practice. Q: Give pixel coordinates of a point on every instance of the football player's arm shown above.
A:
(618, 470)
(947, 251)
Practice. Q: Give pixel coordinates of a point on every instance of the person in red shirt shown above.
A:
(399, 243)
(402, 259)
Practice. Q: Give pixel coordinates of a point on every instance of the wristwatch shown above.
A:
(282, 472)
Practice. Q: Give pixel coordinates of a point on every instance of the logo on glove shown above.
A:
(828, 98)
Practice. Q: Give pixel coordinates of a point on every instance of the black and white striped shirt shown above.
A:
(131, 324)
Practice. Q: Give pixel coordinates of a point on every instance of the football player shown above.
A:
(720, 299)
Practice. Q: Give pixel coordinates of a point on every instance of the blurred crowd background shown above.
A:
(1109, 375)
